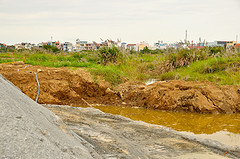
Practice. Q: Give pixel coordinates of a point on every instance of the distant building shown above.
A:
(109, 43)
(74, 48)
(159, 45)
(40, 45)
(2, 46)
(10, 47)
(213, 44)
(226, 43)
(237, 46)
(133, 47)
(97, 45)
(67, 46)
(175, 46)
(80, 45)
(56, 44)
(89, 46)
(221, 43)
(142, 45)
(124, 45)
(28, 46)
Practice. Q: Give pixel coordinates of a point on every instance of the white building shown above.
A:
(133, 47)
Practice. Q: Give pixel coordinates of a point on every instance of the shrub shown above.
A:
(145, 50)
(51, 48)
(108, 54)
(215, 50)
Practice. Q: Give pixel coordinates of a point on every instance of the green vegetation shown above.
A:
(146, 50)
(110, 73)
(51, 48)
(221, 70)
(115, 65)
(110, 54)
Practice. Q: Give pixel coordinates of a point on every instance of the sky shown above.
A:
(131, 21)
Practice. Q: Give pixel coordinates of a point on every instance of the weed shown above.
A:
(109, 54)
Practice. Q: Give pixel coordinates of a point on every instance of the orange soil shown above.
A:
(65, 86)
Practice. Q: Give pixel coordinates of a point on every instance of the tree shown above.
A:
(146, 50)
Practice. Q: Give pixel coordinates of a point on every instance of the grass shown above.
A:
(51, 60)
(221, 70)
(73, 60)
(109, 73)
(213, 64)
(10, 57)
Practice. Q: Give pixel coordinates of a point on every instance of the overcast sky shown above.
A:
(130, 20)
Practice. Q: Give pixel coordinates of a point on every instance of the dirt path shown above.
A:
(77, 87)
(113, 136)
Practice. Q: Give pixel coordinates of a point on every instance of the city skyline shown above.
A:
(131, 21)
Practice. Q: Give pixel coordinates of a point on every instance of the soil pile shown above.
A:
(29, 130)
(77, 87)
(59, 85)
(190, 96)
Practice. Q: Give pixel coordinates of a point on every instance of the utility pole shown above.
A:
(186, 37)
(237, 38)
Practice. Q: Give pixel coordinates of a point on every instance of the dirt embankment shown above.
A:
(190, 96)
(59, 85)
(66, 86)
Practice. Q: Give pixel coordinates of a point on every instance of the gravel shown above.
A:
(28, 130)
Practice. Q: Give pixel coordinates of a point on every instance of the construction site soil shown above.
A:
(66, 86)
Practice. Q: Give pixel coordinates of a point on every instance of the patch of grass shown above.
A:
(10, 57)
(146, 58)
(222, 70)
(49, 60)
(109, 73)
(6, 60)
(5, 55)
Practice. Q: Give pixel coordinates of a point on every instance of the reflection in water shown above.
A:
(221, 136)
(180, 121)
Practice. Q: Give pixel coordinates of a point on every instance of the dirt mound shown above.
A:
(58, 85)
(201, 97)
(29, 130)
(74, 87)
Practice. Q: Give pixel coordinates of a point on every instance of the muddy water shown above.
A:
(224, 128)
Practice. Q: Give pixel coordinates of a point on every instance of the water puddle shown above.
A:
(150, 81)
(224, 128)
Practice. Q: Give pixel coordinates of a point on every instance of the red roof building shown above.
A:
(237, 46)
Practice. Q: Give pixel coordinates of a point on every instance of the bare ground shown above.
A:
(115, 137)
(77, 87)
(29, 130)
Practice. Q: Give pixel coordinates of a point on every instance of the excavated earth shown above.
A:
(30, 131)
(77, 87)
